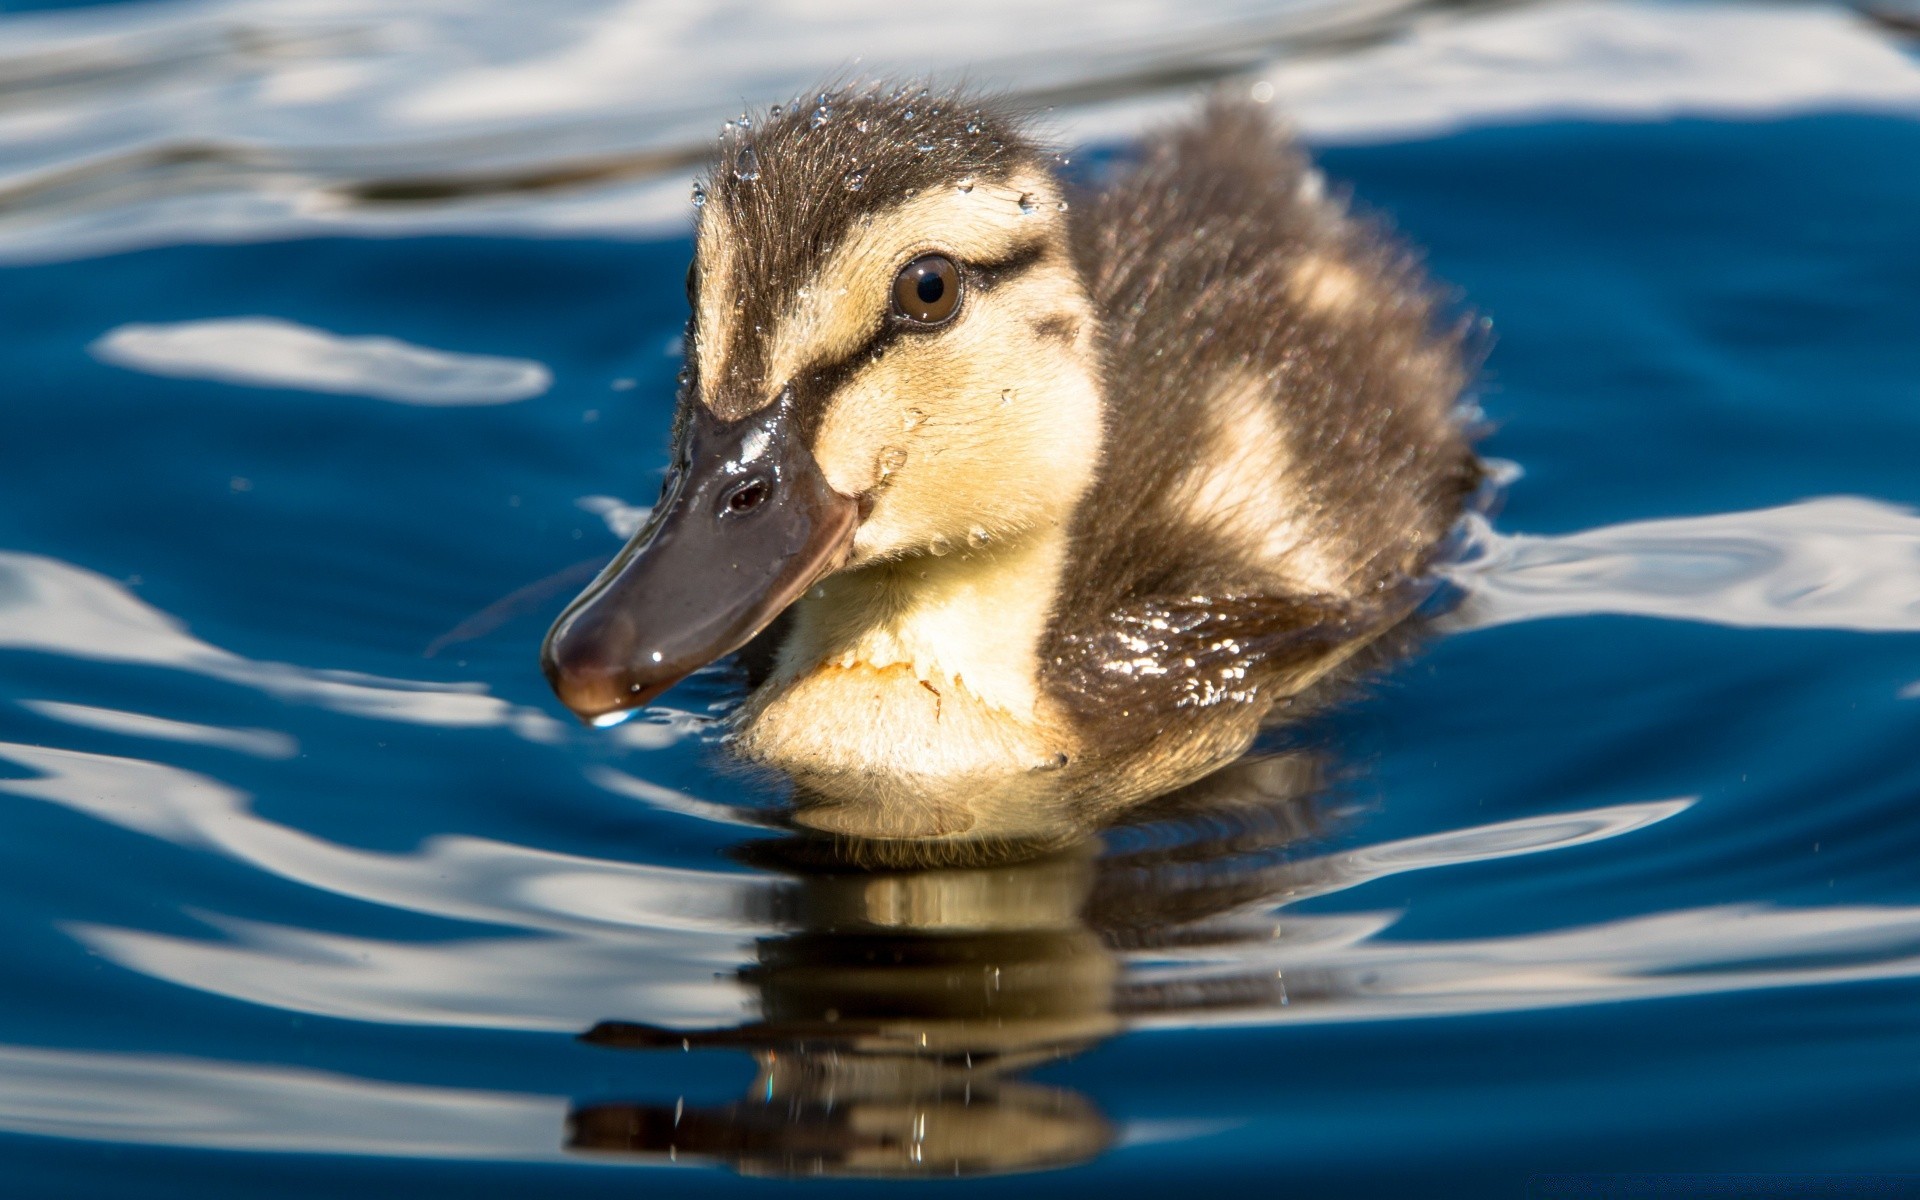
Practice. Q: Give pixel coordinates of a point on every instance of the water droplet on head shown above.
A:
(973, 127)
(746, 167)
(856, 180)
(775, 112)
(913, 419)
(924, 147)
(965, 186)
(744, 122)
(907, 115)
(1062, 206)
(1006, 397)
(821, 116)
(1027, 206)
(978, 538)
(939, 547)
(861, 124)
(892, 459)
(699, 194)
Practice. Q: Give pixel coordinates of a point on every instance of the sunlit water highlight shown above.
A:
(282, 885)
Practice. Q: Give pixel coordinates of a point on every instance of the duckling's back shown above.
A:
(1284, 451)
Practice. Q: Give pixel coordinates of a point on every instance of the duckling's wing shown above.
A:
(1282, 447)
(1278, 384)
(1163, 656)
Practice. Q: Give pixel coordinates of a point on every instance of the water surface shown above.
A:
(326, 326)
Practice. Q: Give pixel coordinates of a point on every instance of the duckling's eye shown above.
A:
(748, 496)
(927, 290)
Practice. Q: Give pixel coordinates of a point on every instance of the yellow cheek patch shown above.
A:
(847, 299)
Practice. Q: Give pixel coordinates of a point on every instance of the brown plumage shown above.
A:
(1175, 453)
(1204, 259)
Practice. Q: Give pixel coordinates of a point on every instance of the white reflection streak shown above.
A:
(50, 606)
(634, 788)
(261, 743)
(619, 937)
(464, 878)
(1694, 952)
(1599, 60)
(661, 945)
(1338, 968)
(270, 353)
(153, 1100)
(1838, 562)
(446, 88)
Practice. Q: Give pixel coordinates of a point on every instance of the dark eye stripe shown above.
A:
(989, 275)
(814, 385)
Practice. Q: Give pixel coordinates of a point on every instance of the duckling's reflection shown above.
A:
(898, 1018)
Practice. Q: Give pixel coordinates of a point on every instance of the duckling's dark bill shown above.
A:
(746, 524)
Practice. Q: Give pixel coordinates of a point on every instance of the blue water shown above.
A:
(343, 953)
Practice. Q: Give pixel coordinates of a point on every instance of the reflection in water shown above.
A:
(271, 353)
(54, 608)
(894, 1018)
(240, 119)
(1837, 562)
(892, 1011)
(895, 1014)
(154, 1100)
(263, 743)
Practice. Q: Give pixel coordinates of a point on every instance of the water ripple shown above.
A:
(432, 115)
(271, 353)
(54, 607)
(1838, 562)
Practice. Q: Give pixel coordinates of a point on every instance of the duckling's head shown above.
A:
(890, 355)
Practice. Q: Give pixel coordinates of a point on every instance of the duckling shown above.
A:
(1062, 495)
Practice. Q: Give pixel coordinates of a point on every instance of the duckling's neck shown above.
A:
(969, 620)
(926, 666)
